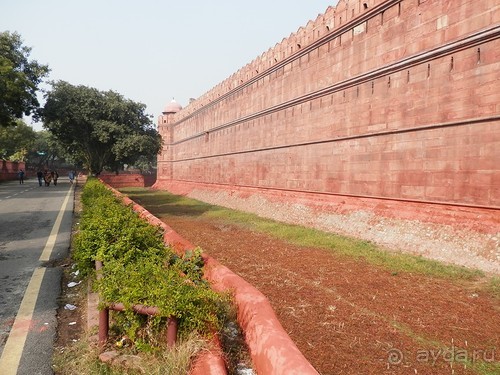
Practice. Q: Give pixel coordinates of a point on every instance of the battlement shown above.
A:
(374, 104)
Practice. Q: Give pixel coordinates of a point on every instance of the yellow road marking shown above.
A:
(13, 350)
(11, 355)
(51, 241)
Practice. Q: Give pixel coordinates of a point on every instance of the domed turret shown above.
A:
(172, 107)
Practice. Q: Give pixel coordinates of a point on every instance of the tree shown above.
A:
(102, 128)
(19, 79)
(16, 141)
(46, 152)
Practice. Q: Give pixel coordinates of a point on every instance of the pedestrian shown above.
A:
(21, 176)
(47, 177)
(71, 176)
(55, 176)
(39, 175)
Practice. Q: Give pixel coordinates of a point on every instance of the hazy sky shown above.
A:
(151, 51)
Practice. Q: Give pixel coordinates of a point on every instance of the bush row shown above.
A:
(139, 269)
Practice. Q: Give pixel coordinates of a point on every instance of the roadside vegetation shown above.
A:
(82, 358)
(139, 269)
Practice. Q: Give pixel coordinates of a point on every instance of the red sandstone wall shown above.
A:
(374, 100)
(9, 169)
(128, 180)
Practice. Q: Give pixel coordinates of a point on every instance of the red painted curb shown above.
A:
(210, 362)
(271, 349)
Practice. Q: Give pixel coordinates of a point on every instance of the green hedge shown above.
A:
(139, 269)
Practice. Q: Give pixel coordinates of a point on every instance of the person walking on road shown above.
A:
(39, 175)
(48, 178)
(21, 176)
(55, 176)
(71, 176)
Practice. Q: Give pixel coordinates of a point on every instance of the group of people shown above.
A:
(47, 177)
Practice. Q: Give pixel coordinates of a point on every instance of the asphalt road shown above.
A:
(35, 228)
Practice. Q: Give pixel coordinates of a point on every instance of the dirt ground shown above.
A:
(349, 317)
(346, 316)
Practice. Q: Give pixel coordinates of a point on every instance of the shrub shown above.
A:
(139, 269)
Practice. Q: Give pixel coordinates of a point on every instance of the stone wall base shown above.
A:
(460, 235)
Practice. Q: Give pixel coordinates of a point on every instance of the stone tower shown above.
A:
(165, 128)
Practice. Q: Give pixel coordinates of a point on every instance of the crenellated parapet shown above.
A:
(304, 36)
(333, 19)
(375, 106)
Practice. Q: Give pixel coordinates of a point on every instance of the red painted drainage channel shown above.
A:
(271, 349)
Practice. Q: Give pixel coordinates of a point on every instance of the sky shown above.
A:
(152, 51)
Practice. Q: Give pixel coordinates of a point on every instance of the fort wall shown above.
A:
(10, 169)
(379, 119)
(128, 179)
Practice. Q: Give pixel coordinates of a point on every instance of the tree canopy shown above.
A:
(46, 152)
(19, 79)
(16, 141)
(102, 128)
